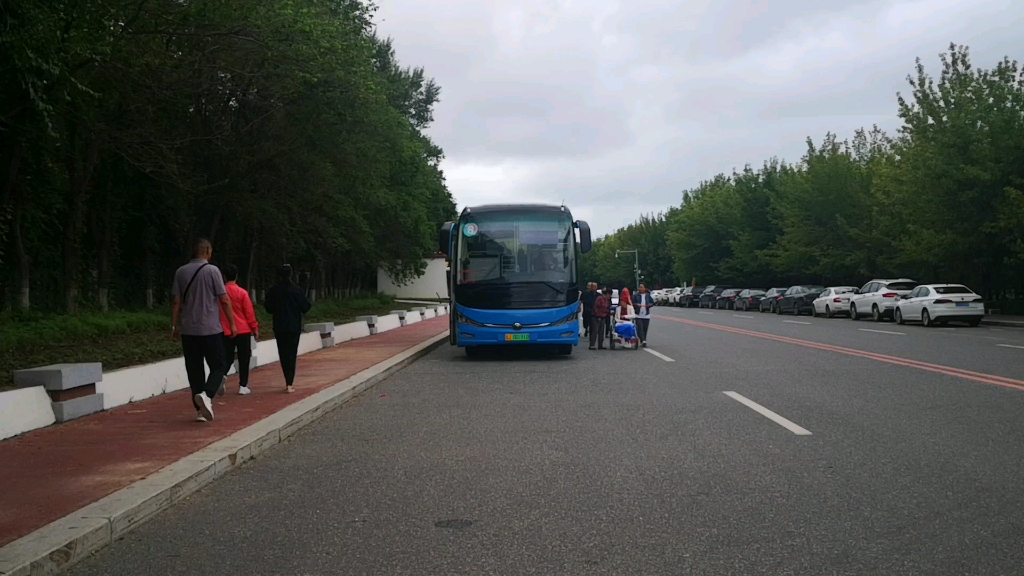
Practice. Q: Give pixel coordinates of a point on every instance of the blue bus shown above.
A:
(513, 276)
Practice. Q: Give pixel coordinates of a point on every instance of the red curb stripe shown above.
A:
(938, 368)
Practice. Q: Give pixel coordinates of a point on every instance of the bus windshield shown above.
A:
(512, 259)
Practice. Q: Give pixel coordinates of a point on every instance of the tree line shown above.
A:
(282, 130)
(941, 200)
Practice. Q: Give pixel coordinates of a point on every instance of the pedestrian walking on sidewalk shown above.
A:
(599, 321)
(198, 300)
(248, 328)
(643, 302)
(287, 302)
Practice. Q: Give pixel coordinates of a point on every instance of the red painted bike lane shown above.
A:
(51, 472)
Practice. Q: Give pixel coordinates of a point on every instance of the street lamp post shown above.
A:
(636, 265)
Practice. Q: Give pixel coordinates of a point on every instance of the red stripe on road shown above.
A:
(938, 368)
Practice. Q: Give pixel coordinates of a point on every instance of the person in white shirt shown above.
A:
(642, 302)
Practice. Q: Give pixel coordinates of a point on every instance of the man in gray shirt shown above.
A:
(198, 297)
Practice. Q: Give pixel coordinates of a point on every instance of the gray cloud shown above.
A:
(615, 107)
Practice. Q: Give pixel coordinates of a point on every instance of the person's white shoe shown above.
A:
(199, 417)
(223, 386)
(205, 406)
(290, 389)
(243, 390)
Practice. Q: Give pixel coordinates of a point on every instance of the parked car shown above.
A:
(710, 295)
(690, 297)
(771, 299)
(878, 298)
(933, 304)
(661, 296)
(670, 296)
(834, 300)
(799, 299)
(749, 299)
(727, 299)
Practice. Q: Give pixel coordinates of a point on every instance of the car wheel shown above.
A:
(853, 312)
(876, 314)
(926, 319)
(898, 315)
(828, 311)
(974, 323)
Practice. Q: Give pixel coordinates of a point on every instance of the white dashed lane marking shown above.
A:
(787, 424)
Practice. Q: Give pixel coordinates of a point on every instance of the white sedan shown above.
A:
(933, 304)
(834, 300)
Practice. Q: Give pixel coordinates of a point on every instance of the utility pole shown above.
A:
(636, 265)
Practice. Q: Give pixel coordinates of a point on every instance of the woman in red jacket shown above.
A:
(248, 328)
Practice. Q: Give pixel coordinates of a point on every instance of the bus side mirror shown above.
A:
(585, 243)
(444, 238)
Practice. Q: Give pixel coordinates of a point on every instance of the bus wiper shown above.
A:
(551, 285)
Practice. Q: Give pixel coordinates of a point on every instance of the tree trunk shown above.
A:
(24, 262)
(214, 227)
(79, 166)
(252, 262)
(103, 236)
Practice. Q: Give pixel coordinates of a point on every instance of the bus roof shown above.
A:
(513, 208)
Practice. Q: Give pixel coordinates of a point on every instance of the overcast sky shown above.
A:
(615, 107)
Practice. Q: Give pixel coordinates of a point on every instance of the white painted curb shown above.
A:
(60, 544)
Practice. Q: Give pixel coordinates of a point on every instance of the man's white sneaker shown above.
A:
(243, 390)
(199, 417)
(223, 383)
(205, 406)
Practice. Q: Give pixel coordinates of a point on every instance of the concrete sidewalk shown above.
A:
(1001, 320)
(52, 472)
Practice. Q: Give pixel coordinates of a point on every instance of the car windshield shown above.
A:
(844, 290)
(814, 288)
(901, 285)
(756, 292)
(952, 289)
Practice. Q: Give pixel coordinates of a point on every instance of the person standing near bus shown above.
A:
(287, 302)
(588, 299)
(248, 328)
(643, 302)
(197, 293)
(599, 321)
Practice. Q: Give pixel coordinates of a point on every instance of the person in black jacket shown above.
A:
(588, 299)
(287, 303)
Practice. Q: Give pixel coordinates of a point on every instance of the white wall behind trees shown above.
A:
(432, 283)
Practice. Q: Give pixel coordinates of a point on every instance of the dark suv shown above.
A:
(690, 296)
(710, 296)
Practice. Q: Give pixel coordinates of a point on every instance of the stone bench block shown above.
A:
(321, 327)
(77, 407)
(371, 321)
(58, 377)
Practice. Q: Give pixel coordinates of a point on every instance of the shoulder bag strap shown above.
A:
(196, 273)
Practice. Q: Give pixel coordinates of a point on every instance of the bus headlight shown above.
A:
(575, 316)
(462, 319)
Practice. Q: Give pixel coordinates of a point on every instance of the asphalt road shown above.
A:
(889, 453)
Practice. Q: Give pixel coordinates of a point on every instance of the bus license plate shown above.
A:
(516, 337)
